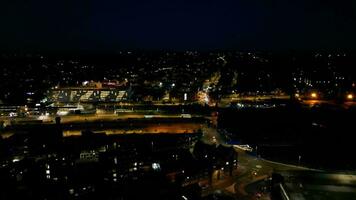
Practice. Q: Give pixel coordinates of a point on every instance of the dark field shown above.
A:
(322, 135)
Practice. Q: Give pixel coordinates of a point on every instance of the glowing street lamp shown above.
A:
(314, 95)
(350, 97)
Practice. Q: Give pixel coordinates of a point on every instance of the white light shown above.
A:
(62, 113)
(43, 117)
(156, 166)
(71, 191)
(185, 198)
(185, 96)
(48, 172)
(206, 99)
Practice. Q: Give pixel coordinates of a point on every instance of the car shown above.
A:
(244, 147)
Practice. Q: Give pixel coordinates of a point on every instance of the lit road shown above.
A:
(174, 128)
(150, 126)
(103, 116)
(346, 105)
(251, 170)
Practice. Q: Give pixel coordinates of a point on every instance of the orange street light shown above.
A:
(350, 97)
(314, 95)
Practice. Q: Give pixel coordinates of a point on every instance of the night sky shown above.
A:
(89, 25)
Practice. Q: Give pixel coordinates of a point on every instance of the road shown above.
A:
(107, 116)
(152, 128)
(250, 170)
(102, 116)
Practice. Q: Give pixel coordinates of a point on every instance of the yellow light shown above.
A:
(350, 96)
(313, 95)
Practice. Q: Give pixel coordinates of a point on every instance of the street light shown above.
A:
(350, 97)
(314, 95)
(299, 158)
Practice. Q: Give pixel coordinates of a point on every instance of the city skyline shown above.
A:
(178, 100)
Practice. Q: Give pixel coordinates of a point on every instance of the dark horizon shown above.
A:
(90, 26)
(73, 53)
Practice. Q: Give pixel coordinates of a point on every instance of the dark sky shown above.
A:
(110, 25)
